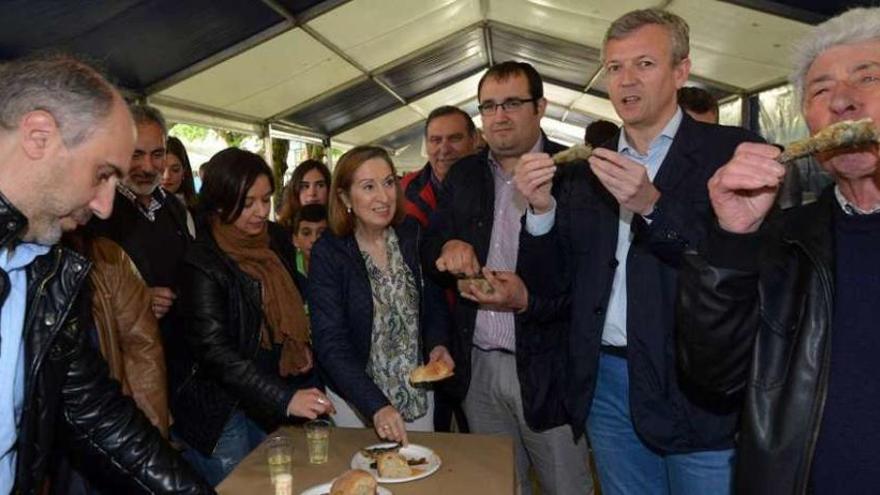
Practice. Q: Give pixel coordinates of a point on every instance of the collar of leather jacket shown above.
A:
(12, 222)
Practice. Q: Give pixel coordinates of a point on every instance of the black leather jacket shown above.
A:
(754, 317)
(69, 394)
(223, 308)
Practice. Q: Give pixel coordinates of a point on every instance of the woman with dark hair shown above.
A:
(308, 185)
(248, 334)
(375, 318)
(177, 178)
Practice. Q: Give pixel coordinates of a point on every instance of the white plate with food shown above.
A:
(391, 463)
(324, 489)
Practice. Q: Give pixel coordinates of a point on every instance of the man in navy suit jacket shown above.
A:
(621, 225)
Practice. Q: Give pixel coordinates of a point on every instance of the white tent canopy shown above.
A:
(370, 71)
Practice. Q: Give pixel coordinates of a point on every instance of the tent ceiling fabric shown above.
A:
(377, 32)
(284, 80)
(366, 59)
(456, 57)
(553, 58)
(362, 101)
(167, 39)
(371, 70)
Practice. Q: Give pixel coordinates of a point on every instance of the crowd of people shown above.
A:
(652, 307)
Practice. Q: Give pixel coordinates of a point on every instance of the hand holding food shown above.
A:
(533, 176)
(506, 292)
(744, 189)
(626, 180)
(458, 258)
(431, 372)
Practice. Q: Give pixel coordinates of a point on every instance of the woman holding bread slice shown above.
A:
(375, 319)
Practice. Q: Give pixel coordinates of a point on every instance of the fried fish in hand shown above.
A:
(842, 135)
(478, 282)
(578, 152)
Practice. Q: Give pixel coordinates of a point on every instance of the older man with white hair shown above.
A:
(781, 307)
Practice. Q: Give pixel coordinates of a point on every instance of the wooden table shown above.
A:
(472, 464)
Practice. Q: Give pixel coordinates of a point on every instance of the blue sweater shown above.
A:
(847, 453)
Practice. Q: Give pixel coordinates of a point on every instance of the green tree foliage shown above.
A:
(188, 132)
(280, 148)
(233, 139)
(315, 151)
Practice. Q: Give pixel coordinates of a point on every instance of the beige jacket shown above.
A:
(128, 332)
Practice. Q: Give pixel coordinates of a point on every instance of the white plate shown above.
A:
(325, 489)
(411, 451)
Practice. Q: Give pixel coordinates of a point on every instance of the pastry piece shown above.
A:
(354, 482)
(578, 152)
(844, 134)
(393, 465)
(374, 452)
(431, 372)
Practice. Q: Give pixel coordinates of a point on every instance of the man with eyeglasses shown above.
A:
(149, 225)
(505, 367)
(623, 223)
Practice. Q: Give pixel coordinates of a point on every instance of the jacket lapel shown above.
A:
(680, 159)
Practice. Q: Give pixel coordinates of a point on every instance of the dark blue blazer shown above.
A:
(466, 211)
(668, 413)
(341, 310)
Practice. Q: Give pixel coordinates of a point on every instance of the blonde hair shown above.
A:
(339, 219)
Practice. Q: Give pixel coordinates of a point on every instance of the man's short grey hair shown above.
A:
(146, 114)
(77, 96)
(853, 26)
(678, 28)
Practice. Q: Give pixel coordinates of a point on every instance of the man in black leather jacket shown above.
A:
(781, 308)
(66, 137)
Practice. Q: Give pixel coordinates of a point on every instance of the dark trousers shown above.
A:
(445, 407)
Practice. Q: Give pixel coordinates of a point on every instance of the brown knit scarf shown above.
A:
(283, 308)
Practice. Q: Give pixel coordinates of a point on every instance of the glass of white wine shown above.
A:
(318, 440)
(279, 451)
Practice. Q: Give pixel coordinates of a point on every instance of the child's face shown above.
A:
(306, 234)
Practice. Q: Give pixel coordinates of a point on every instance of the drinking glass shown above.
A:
(318, 440)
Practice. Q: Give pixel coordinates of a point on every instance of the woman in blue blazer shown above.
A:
(374, 316)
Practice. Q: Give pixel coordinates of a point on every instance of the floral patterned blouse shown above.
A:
(394, 350)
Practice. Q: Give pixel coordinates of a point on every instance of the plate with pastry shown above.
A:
(352, 482)
(431, 372)
(393, 463)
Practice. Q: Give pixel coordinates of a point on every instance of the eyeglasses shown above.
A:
(509, 105)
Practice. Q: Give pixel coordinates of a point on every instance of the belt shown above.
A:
(614, 350)
(494, 349)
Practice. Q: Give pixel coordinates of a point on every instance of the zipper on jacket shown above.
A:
(819, 405)
(37, 295)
